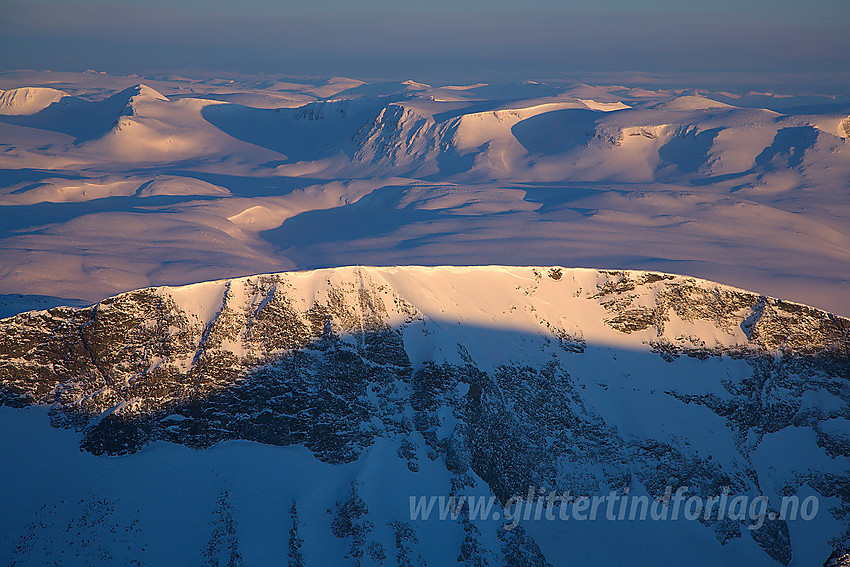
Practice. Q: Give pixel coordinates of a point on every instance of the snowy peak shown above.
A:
(28, 100)
(142, 92)
(414, 86)
(137, 97)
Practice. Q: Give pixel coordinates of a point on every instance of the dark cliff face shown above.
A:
(337, 368)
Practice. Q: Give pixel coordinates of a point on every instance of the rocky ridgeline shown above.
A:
(261, 359)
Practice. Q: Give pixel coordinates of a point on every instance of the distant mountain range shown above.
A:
(549, 134)
(198, 177)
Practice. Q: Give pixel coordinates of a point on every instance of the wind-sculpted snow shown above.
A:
(198, 178)
(577, 379)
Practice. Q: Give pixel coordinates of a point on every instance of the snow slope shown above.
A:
(28, 100)
(289, 417)
(169, 179)
(325, 399)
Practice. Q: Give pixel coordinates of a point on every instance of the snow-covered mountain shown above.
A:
(28, 100)
(324, 400)
(203, 177)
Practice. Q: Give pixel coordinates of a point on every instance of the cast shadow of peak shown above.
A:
(310, 132)
(558, 131)
(790, 144)
(378, 213)
(689, 152)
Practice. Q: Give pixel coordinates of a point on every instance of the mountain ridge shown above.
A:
(461, 363)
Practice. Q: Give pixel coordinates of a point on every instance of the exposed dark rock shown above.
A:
(334, 374)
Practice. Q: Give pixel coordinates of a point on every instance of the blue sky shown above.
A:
(439, 39)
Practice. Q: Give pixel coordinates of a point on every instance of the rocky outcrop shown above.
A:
(334, 359)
